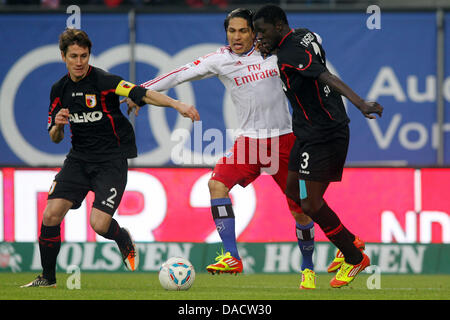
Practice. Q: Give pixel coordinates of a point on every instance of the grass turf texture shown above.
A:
(145, 286)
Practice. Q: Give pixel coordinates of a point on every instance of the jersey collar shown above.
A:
(284, 38)
(248, 53)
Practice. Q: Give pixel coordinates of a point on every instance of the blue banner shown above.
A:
(394, 65)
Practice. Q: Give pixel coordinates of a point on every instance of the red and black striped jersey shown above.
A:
(99, 130)
(317, 109)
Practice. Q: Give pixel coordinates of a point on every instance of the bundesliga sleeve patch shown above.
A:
(124, 88)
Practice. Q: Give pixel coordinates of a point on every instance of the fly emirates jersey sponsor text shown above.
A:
(253, 82)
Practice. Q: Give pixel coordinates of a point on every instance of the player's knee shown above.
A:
(217, 189)
(100, 221)
(51, 218)
(54, 213)
(301, 218)
(310, 207)
(99, 227)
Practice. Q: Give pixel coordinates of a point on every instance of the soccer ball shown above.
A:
(176, 274)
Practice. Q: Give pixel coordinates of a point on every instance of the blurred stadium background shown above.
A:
(395, 190)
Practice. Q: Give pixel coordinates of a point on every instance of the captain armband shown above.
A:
(132, 91)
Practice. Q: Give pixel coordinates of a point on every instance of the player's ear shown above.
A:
(63, 56)
(279, 26)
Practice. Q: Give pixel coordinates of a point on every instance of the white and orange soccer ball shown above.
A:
(177, 273)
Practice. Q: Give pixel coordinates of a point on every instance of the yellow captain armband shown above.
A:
(124, 88)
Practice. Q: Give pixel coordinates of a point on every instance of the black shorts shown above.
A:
(321, 160)
(106, 179)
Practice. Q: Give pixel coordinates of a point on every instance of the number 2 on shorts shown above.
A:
(110, 200)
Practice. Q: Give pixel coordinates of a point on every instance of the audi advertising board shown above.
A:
(399, 72)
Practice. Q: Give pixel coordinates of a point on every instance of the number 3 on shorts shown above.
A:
(305, 158)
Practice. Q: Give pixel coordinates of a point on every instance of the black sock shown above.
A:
(338, 234)
(49, 245)
(116, 233)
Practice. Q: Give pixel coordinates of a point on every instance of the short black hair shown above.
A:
(271, 14)
(243, 13)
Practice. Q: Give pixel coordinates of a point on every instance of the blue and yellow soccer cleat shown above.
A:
(339, 258)
(308, 279)
(348, 272)
(226, 264)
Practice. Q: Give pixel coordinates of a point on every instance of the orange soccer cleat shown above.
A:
(339, 258)
(129, 253)
(347, 272)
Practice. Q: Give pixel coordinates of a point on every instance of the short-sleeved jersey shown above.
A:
(99, 130)
(253, 83)
(317, 109)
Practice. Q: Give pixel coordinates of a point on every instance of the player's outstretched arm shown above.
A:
(368, 109)
(57, 131)
(139, 96)
(158, 99)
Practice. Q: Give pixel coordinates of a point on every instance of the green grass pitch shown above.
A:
(145, 286)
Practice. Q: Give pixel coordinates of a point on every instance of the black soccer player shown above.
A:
(320, 124)
(87, 98)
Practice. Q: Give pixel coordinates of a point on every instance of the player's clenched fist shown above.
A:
(62, 117)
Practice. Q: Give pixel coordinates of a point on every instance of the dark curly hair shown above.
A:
(271, 14)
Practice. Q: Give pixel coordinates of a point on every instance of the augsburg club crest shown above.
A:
(91, 100)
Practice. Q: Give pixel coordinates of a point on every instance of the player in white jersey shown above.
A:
(266, 130)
